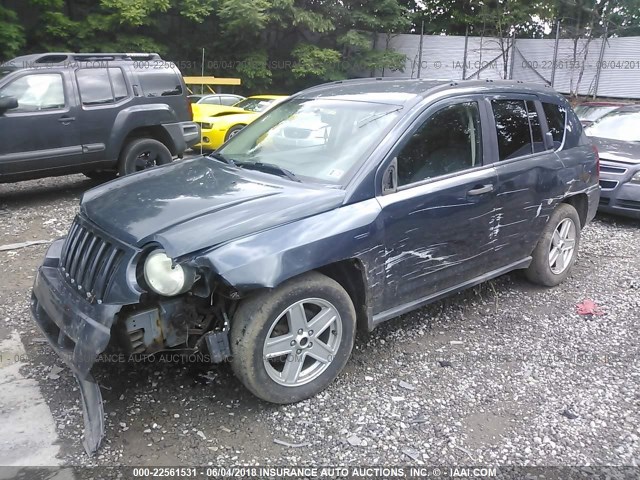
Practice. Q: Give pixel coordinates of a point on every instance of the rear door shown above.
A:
(529, 174)
(104, 92)
(41, 134)
(438, 221)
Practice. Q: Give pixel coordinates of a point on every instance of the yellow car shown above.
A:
(220, 123)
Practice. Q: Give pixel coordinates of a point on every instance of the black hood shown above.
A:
(194, 204)
(617, 150)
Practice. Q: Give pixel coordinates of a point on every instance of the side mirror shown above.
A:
(7, 103)
(390, 178)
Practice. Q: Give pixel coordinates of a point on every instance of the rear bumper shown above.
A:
(619, 195)
(77, 330)
(183, 135)
(593, 196)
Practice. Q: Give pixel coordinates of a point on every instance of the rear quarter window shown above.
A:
(556, 121)
(159, 83)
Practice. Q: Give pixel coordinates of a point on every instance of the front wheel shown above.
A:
(143, 153)
(290, 343)
(233, 131)
(557, 248)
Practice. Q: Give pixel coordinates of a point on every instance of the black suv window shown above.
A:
(518, 128)
(448, 141)
(556, 118)
(40, 91)
(159, 83)
(101, 85)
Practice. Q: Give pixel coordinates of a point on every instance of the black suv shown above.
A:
(97, 114)
(347, 204)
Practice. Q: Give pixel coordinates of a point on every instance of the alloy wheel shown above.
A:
(563, 244)
(302, 342)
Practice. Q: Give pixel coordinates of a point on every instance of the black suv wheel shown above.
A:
(143, 153)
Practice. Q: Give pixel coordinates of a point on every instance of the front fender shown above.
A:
(268, 258)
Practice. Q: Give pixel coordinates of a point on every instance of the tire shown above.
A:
(264, 315)
(233, 131)
(543, 269)
(143, 153)
(101, 175)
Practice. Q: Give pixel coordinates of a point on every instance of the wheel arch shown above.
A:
(580, 202)
(155, 132)
(350, 274)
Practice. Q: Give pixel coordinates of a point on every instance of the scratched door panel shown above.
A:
(437, 235)
(526, 192)
(528, 176)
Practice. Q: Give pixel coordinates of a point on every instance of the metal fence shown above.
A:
(594, 68)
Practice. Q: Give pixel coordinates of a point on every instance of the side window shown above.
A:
(100, 86)
(159, 83)
(448, 141)
(118, 83)
(556, 115)
(512, 125)
(536, 128)
(36, 92)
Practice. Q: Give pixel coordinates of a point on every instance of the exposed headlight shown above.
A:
(165, 278)
(636, 178)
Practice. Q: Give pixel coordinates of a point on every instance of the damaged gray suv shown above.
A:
(344, 206)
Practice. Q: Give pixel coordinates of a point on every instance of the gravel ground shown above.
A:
(503, 374)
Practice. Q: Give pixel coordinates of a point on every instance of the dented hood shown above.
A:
(199, 203)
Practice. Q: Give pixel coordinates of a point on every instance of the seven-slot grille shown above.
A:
(88, 261)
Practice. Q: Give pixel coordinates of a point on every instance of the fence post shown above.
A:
(420, 48)
(599, 66)
(464, 58)
(555, 53)
(513, 57)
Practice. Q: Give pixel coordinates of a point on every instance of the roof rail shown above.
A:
(116, 56)
(68, 57)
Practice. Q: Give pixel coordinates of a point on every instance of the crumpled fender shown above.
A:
(268, 258)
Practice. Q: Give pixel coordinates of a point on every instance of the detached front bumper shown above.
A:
(78, 332)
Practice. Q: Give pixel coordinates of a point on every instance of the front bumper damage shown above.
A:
(78, 331)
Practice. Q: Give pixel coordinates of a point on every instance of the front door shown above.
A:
(40, 134)
(438, 224)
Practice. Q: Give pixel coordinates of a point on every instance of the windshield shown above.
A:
(254, 104)
(591, 113)
(321, 139)
(618, 125)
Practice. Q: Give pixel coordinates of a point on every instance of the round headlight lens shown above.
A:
(165, 278)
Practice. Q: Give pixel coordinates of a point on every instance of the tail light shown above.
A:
(190, 108)
(595, 151)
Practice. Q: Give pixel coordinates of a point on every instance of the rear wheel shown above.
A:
(557, 248)
(290, 343)
(143, 153)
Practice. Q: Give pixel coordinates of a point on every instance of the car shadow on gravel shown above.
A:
(44, 191)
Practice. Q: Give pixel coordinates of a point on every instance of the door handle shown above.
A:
(66, 120)
(480, 189)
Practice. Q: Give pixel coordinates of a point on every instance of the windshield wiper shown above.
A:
(222, 158)
(272, 168)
